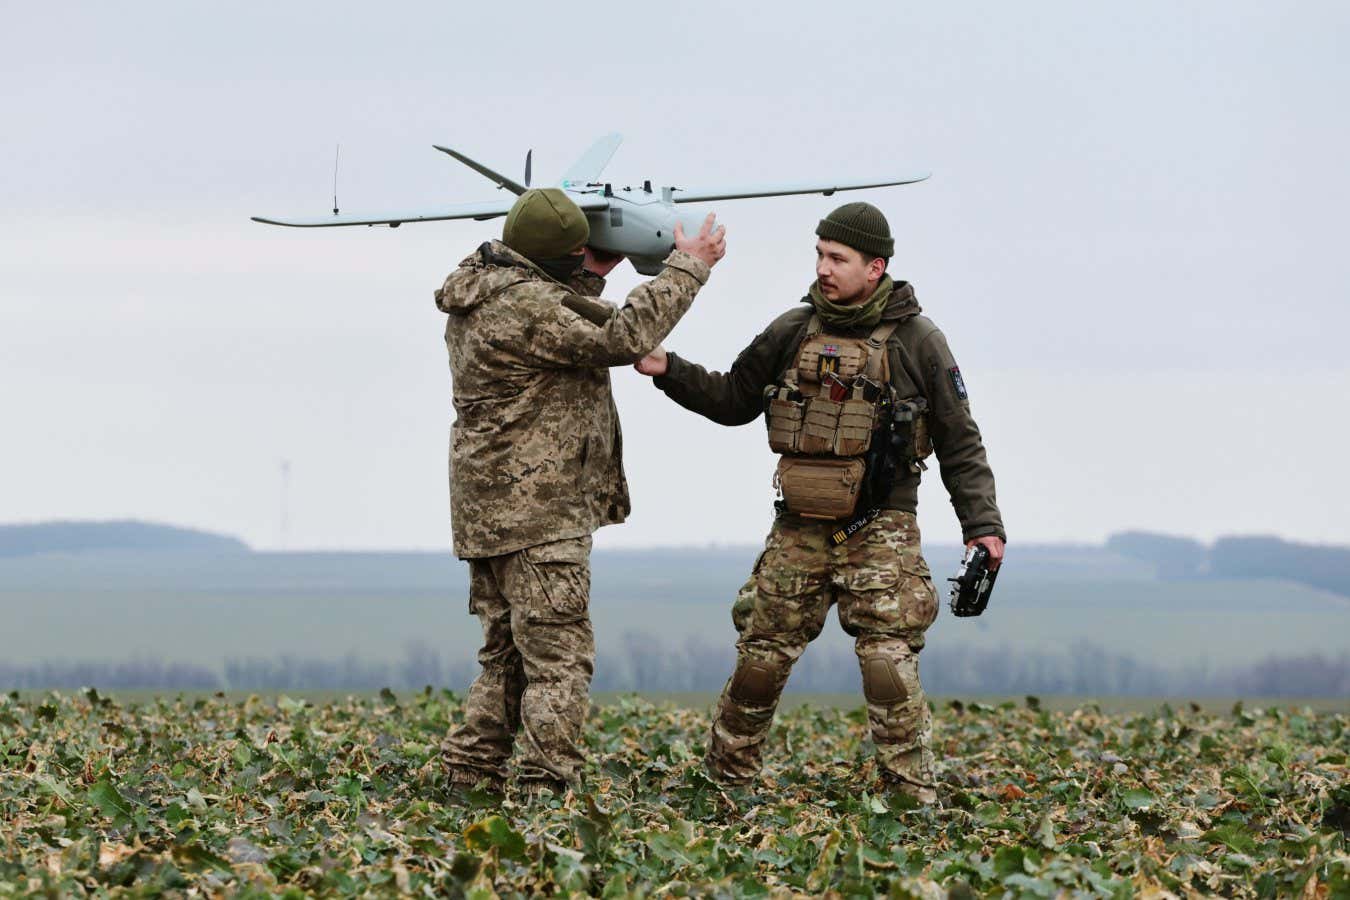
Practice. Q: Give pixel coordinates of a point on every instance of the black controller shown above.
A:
(973, 583)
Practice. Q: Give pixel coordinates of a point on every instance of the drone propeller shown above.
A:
(528, 155)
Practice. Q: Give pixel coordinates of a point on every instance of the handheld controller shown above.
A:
(973, 583)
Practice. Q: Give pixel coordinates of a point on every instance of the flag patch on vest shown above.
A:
(829, 361)
(958, 382)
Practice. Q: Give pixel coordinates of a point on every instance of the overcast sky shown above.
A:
(1134, 239)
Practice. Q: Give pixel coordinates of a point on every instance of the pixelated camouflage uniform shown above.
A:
(535, 467)
(879, 578)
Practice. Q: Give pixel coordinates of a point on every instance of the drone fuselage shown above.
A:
(639, 224)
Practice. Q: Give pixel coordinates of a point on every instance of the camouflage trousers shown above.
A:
(886, 602)
(537, 659)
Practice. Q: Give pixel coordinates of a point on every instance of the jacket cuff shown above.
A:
(674, 371)
(979, 531)
(688, 263)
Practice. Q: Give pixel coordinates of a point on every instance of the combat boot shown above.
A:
(466, 787)
(900, 794)
(541, 792)
(722, 779)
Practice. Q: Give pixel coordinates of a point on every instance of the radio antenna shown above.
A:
(336, 153)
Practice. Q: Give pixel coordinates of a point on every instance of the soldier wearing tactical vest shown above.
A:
(858, 389)
(536, 467)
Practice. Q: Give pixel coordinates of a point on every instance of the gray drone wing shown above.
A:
(699, 195)
(488, 210)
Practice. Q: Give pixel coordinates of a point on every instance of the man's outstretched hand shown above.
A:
(708, 245)
(653, 364)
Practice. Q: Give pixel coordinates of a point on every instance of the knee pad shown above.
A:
(754, 684)
(881, 681)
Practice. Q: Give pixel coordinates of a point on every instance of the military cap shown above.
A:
(861, 226)
(544, 223)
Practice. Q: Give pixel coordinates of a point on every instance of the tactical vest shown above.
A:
(829, 408)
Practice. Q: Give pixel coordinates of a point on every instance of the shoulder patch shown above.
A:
(958, 383)
(590, 309)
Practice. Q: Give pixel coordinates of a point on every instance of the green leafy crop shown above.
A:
(289, 798)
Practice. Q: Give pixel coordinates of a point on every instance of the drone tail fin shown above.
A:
(591, 163)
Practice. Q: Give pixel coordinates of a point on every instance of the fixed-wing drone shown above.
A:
(633, 221)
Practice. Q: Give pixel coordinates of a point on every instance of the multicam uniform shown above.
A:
(535, 467)
(877, 576)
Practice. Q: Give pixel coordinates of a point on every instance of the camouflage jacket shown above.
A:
(535, 449)
(921, 364)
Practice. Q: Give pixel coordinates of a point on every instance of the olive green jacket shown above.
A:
(535, 450)
(921, 365)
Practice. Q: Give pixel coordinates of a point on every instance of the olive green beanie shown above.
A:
(545, 223)
(860, 226)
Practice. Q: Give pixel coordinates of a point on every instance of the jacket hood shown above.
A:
(483, 274)
(902, 303)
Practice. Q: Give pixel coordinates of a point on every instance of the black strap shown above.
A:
(853, 526)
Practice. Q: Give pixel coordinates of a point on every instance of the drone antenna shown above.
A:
(336, 153)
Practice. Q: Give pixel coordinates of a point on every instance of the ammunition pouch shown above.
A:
(820, 426)
(784, 410)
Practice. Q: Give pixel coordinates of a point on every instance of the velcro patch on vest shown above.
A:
(958, 383)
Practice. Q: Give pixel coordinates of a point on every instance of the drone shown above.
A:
(633, 220)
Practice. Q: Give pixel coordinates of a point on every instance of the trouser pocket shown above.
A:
(556, 578)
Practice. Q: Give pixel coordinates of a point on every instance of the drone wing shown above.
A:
(489, 210)
(698, 195)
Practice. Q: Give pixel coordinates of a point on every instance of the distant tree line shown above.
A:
(127, 675)
(420, 666)
(1325, 567)
(643, 662)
